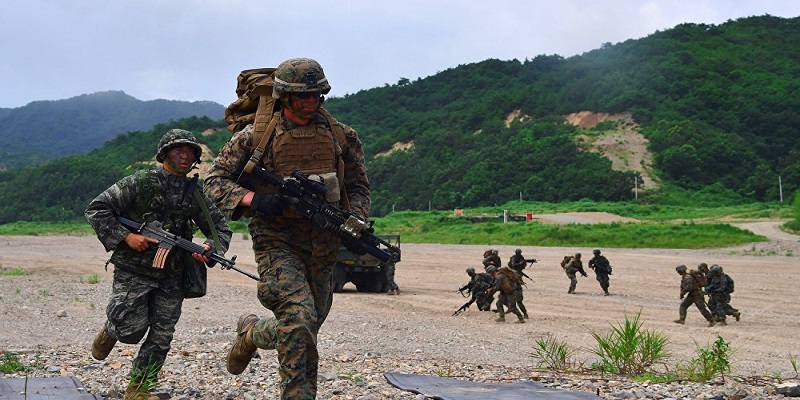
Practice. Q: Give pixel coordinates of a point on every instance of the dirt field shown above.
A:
(418, 323)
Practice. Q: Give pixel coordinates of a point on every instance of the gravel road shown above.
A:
(50, 315)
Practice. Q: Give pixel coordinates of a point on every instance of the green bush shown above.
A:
(628, 349)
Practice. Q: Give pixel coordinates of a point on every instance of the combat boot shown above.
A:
(737, 315)
(500, 319)
(519, 321)
(606, 293)
(680, 321)
(243, 348)
(722, 323)
(525, 316)
(390, 292)
(712, 322)
(102, 344)
(397, 291)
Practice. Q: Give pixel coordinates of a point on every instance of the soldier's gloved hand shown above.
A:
(270, 204)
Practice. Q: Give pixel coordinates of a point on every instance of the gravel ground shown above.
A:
(50, 315)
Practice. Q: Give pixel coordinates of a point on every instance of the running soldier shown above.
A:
(571, 266)
(719, 290)
(691, 293)
(602, 269)
(506, 284)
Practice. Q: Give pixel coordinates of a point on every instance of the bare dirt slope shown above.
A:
(418, 323)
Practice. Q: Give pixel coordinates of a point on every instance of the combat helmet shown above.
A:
(470, 270)
(174, 137)
(299, 75)
(491, 269)
(518, 251)
(680, 268)
(702, 267)
(577, 255)
(716, 269)
(596, 252)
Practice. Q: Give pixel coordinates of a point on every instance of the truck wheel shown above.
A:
(369, 287)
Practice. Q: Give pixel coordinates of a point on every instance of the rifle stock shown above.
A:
(307, 198)
(168, 241)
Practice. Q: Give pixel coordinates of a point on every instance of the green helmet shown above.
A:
(716, 269)
(596, 251)
(680, 268)
(577, 255)
(491, 269)
(300, 75)
(702, 267)
(470, 270)
(175, 137)
(518, 251)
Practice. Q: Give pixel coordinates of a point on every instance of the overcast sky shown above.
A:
(194, 49)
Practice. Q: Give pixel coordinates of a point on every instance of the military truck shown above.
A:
(365, 271)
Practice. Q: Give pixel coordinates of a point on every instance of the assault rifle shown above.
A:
(167, 241)
(307, 198)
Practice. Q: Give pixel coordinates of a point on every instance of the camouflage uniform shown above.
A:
(517, 263)
(295, 260)
(571, 268)
(492, 259)
(147, 300)
(389, 269)
(602, 269)
(691, 294)
(719, 296)
(478, 285)
(506, 298)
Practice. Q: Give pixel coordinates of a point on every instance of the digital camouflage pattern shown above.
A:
(175, 137)
(691, 294)
(138, 288)
(506, 295)
(300, 75)
(295, 261)
(719, 295)
(602, 268)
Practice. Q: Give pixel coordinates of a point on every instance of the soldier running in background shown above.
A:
(719, 289)
(477, 287)
(506, 284)
(491, 257)
(691, 293)
(571, 265)
(602, 269)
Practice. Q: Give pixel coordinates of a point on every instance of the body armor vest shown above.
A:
(310, 149)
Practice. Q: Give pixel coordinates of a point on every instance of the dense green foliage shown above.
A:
(719, 105)
(60, 191)
(45, 130)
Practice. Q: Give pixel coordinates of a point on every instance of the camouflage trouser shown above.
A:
(603, 279)
(720, 305)
(573, 281)
(390, 267)
(520, 306)
(296, 287)
(698, 301)
(484, 300)
(510, 301)
(141, 305)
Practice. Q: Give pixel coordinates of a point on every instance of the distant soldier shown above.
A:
(490, 257)
(506, 284)
(517, 262)
(478, 286)
(691, 293)
(719, 290)
(602, 269)
(572, 265)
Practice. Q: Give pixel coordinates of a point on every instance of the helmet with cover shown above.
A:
(299, 75)
(596, 252)
(175, 137)
(716, 269)
(703, 267)
(518, 251)
(470, 270)
(680, 268)
(491, 269)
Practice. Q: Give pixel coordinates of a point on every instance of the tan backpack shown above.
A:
(512, 280)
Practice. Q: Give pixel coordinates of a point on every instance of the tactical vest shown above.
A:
(152, 205)
(310, 149)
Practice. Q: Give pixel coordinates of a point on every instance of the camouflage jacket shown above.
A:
(719, 284)
(689, 285)
(517, 262)
(600, 264)
(152, 195)
(223, 188)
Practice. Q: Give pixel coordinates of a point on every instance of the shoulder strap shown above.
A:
(198, 198)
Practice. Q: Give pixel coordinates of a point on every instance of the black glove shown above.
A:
(269, 204)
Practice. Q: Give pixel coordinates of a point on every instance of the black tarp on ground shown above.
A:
(59, 388)
(453, 389)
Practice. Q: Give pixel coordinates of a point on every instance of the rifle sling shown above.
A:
(214, 234)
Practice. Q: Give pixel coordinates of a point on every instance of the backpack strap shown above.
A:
(263, 128)
(338, 135)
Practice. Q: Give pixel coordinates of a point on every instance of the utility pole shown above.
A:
(780, 188)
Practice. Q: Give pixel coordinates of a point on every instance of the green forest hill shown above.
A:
(718, 106)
